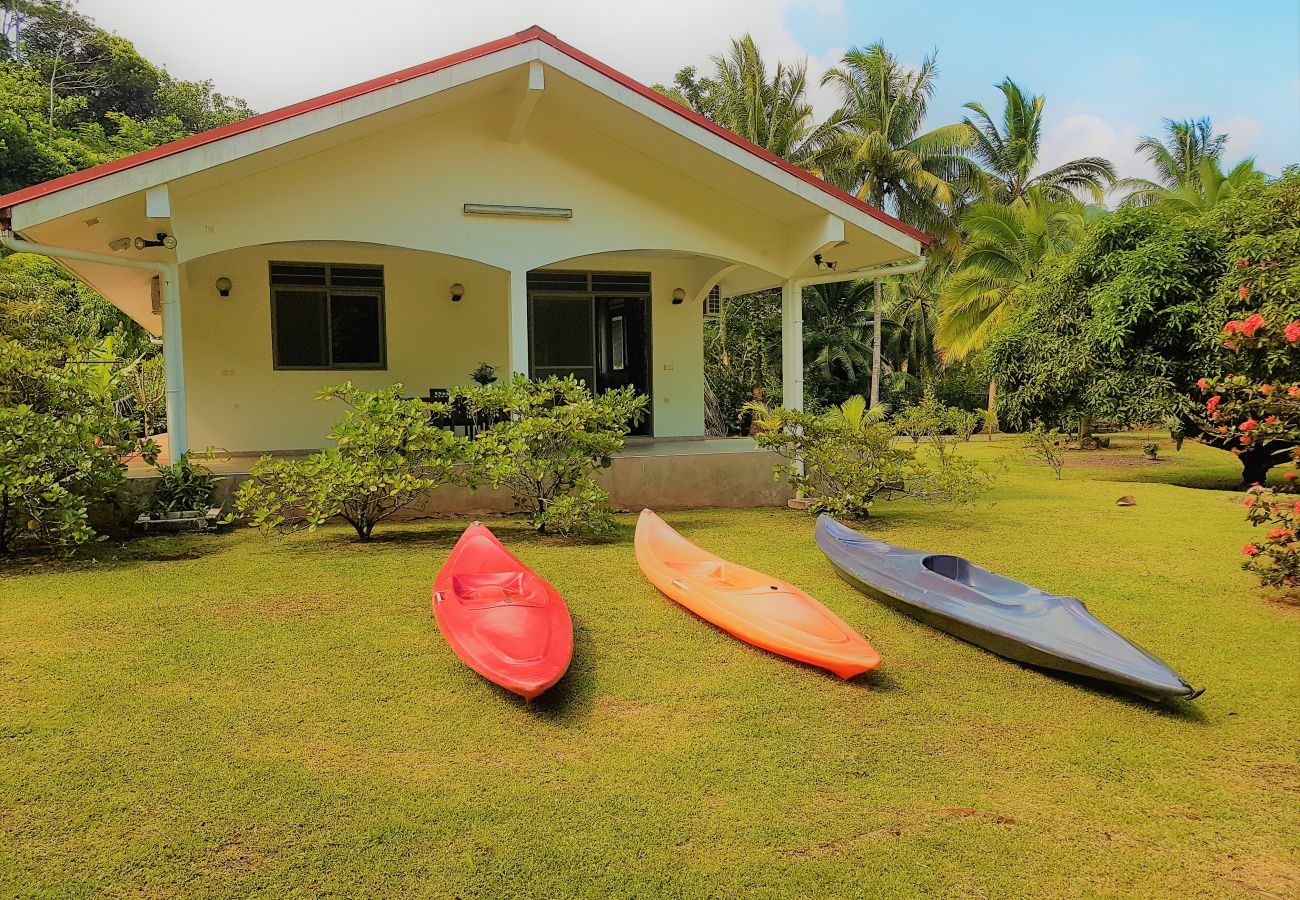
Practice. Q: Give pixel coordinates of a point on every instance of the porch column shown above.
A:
(174, 363)
(518, 318)
(792, 344)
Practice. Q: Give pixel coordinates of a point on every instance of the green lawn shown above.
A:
(240, 716)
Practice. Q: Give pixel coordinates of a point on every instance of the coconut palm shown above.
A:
(1004, 249)
(1212, 186)
(1176, 158)
(1009, 152)
(774, 112)
(911, 316)
(837, 328)
(874, 145)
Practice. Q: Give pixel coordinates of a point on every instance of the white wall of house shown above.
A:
(239, 402)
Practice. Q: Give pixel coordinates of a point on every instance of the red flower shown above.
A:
(1266, 389)
(1245, 439)
(1233, 326)
(1202, 383)
(1228, 344)
(1271, 420)
(1289, 476)
(1250, 550)
(1293, 391)
(1241, 262)
(1248, 425)
(1292, 332)
(1254, 322)
(1213, 404)
(1244, 292)
(1279, 532)
(1223, 429)
(1248, 502)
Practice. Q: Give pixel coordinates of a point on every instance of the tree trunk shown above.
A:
(1085, 429)
(1255, 466)
(993, 407)
(875, 349)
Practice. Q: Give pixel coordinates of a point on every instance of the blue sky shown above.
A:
(1124, 64)
(1111, 70)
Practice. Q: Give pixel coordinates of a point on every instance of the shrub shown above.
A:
(1275, 558)
(964, 423)
(923, 419)
(386, 455)
(1046, 446)
(846, 458)
(60, 443)
(183, 486)
(550, 437)
(1151, 450)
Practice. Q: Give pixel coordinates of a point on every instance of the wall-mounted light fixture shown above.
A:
(162, 240)
(457, 291)
(122, 243)
(224, 286)
(525, 212)
(678, 296)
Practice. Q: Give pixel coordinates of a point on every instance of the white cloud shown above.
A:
(276, 52)
(1244, 137)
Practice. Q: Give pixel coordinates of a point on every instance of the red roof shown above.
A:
(531, 34)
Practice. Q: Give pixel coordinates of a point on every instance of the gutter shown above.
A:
(873, 274)
(173, 351)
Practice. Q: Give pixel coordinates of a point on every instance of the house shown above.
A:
(519, 203)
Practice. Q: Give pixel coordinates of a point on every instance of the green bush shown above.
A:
(183, 486)
(925, 418)
(550, 438)
(386, 455)
(60, 443)
(846, 458)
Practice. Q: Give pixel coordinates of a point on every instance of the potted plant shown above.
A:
(484, 374)
(182, 499)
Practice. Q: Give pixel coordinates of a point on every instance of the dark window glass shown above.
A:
(355, 331)
(558, 281)
(620, 282)
(300, 328)
(327, 316)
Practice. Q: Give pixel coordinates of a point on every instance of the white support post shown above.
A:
(792, 344)
(174, 364)
(519, 321)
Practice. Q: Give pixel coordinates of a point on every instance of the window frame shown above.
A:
(329, 289)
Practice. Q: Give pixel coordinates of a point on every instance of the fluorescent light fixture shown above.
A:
(526, 212)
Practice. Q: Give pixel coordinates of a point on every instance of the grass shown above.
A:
(236, 716)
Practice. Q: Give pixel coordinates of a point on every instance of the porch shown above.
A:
(693, 473)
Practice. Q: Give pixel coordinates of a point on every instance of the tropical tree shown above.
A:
(1211, 187)
(910, 321)
(767, 108)
(1176, 159)
(1009, 153)
(1004, 248)
(874, 145)
(837, 328)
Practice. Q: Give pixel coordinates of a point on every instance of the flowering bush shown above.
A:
(1257, 406)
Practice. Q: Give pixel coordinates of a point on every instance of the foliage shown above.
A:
(846, 458)
(1211, 187)
(1009, 154)
(73, 96)
(965, 422)
(874, 145)
(1045, 445)
(386, 455)
(1176, 158)
(1151, 450)
(60, 443)
(484, 374)
(927, 418)
(183, 486)
(742, 358)
(1003, 251)
(550, 437)
(43, 307)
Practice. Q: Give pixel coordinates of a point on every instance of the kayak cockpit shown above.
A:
(959, 569)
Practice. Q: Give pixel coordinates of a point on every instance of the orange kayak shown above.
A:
(752, 606)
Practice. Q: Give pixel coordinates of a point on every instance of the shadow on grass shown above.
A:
(117, 554)
(442, 534)
(571, 700)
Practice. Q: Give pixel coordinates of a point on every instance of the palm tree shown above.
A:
(1176, 158)
(770, 111)
(873, 146)
(1009, 152)
(837, 328)
(1212, 186)
(1004, 250)
(773, 113)
(910, 319)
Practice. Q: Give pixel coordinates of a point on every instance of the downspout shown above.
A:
(173, 353)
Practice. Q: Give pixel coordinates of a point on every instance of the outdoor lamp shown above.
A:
(457, 291)
(223, 286)
(678, 296)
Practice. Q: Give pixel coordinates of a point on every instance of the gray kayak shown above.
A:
(1010, 618)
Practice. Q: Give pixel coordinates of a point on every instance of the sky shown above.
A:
(1111, 70)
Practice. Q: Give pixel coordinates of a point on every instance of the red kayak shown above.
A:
(503, 620)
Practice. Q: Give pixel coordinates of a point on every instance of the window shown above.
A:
(713, 302)
(326, 316)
